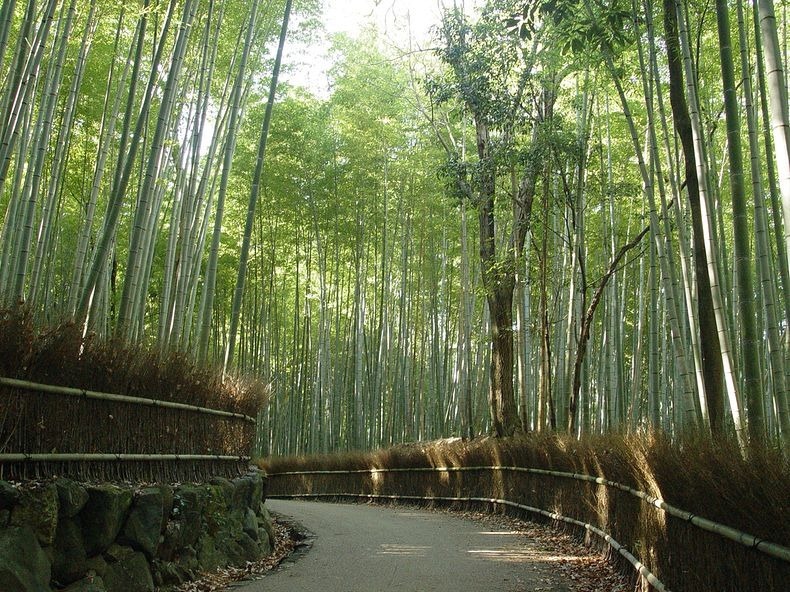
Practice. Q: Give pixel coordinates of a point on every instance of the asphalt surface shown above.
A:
(364, 548)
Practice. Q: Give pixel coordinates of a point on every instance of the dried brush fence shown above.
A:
(54, 430)
(671, 548)
(86, 407)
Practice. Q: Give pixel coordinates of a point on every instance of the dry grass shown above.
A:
(36, 423)
(710, 479)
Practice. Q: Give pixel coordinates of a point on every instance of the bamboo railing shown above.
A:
(733, 534)
(768, 548)
(75, 392)
(46, 429)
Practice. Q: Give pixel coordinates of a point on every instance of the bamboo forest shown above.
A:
(526, 216)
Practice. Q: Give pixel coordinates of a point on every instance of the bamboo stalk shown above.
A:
(773, 549)
(75, 392)
(643, 571)
(78, 456)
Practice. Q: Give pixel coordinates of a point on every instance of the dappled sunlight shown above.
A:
(501, 555)
(403, 550)
(521, 555)
(511, 546)
(377, 479)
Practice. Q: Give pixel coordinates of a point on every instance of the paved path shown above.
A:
(363, 548)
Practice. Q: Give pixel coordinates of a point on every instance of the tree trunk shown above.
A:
(750, 345)
(499, 285)
(709, 338)
(254, 192)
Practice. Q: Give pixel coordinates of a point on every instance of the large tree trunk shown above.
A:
(709, 339)
(499, 283)
(502, 401)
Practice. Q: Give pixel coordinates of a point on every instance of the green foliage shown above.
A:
(590, 24)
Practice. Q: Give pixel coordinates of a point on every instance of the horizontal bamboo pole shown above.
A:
(640, 568)
(96, 457)
(743, 538)
(75, 392)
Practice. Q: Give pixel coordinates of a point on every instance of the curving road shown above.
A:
(363, 548)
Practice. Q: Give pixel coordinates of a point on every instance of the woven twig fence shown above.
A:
(53, 430)
(669, 547)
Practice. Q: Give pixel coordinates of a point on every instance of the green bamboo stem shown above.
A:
(773, 549)
(97, 457)
(75, 392)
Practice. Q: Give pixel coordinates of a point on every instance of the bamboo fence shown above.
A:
(48, 429)
(549, 501)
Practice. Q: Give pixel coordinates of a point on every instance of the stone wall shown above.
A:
(63, 535)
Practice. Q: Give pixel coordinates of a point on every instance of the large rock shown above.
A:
(187, 560)
(166, 573)
(168, 496)
(38, 509)
(265, 522)
(171, 541)
(265, 543)
(237, 547)
(218, 499)
(248, 490)
(250, 524)
(97, 565)
(72, 497)
(88, 584)
(103, 516)
(143, 526)
(127, 571)
(69, 556)
(209, 557)
(227, 543)
(188, 504)
(24, 567)
(250, 548)
(9, 495)
(224, 484)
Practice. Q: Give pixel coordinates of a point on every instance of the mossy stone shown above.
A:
(38, 509)
(168, 494)
(249, 524)
(248, 490)
(218, 500)
(72, 497)
(265, 521)
(209, 557)
(130, 573)
(103, 516)
(69, 556)
(9, 495)
(143, 525)
(167, 573)
(88, 584)
(188, 505)
(24, 567)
